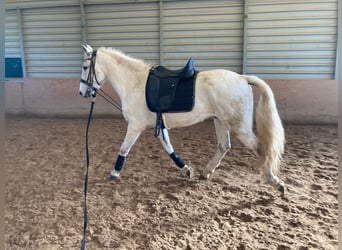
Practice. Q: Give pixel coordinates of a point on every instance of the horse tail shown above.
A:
(270, 131)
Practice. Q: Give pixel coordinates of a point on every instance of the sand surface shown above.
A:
(153, 206)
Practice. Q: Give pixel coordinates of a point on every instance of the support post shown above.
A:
(338, 41)
(161, 32)
(3, 169)
(245, 39)
(83, 23)
(21, 42)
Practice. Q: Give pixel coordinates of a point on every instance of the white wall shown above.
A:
(298, 101)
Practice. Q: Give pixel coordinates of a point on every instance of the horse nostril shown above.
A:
(80, 93)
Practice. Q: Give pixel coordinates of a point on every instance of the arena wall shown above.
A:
(299, 101)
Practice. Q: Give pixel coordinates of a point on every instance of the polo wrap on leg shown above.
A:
(119, 163)
(179, 162)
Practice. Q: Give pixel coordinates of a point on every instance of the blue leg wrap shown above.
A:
(119, 163)
(179, 162)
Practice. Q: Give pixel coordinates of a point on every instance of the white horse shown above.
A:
(223, 95)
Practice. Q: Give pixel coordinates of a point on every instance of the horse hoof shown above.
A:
(114, 175)
(188, 171)
(204, 176)
(281, 188)
(113, 178)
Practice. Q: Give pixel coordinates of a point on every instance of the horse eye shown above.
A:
(85, 67)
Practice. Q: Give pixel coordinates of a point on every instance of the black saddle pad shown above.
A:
(170, 93)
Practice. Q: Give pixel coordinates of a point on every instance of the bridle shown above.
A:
(91, 90)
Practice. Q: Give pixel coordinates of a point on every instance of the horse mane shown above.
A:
(125, 59)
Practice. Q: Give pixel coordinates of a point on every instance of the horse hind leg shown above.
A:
(272, 179)
(247, 137)
(223, 146)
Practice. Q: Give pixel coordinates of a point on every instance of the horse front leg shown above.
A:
(132, 135)
(166, 143)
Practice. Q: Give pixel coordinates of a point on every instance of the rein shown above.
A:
(110, 99)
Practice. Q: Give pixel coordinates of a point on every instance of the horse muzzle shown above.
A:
(89, 92)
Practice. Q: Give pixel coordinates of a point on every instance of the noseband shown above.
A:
(91, 90)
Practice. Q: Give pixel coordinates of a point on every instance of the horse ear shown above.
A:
(87, 48)
(90, 48)
(84, 48)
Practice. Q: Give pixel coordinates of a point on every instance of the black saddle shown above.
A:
(187, 71)
(170, 90)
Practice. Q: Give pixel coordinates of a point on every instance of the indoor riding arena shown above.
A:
(52, 202)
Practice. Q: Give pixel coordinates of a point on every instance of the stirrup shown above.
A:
(159, 124)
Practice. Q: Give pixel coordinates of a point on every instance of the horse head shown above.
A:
(92, 77)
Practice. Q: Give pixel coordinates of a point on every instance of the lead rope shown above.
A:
(86, 178)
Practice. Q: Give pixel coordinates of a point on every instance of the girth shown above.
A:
(170, 91)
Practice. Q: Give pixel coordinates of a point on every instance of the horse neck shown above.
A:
(123, 72)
